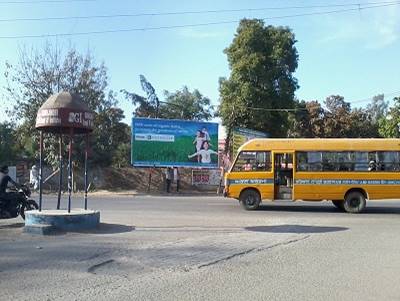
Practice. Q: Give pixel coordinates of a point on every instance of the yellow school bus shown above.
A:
(347, 172)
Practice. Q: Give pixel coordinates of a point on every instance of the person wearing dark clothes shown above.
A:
(169, 175)
(4, 180)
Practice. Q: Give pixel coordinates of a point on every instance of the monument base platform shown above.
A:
(51, 221)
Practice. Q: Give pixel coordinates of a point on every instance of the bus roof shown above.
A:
(321, 144)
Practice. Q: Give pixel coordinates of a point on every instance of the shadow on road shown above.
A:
(370, 209)
(298, 208)
(381, 210)
(11, 226)
(295, 229)
(105, 228)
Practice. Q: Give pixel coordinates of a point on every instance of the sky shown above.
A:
(354, 53)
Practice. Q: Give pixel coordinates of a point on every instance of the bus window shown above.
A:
(342, 161)
(334, 161)
(253, 161)
(385, 161)
(302, 161)
(314, 160)
(361, 161)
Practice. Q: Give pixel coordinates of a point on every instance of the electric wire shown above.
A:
(358, 6)
(43, 1)
(319, 105)
(97, 32)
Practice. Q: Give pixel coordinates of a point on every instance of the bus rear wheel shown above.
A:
(250, 199)
(354, 202)
(338, 204)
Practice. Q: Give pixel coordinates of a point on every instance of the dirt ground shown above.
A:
(129, 180)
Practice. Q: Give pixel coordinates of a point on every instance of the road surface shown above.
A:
(207, 248)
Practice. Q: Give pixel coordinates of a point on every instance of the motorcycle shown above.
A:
(19, 202)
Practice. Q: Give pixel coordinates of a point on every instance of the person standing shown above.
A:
(221, 180)
(177, 178)
(168, 178)
(34, 177)
(225, 165)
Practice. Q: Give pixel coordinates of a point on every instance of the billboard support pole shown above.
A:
(149, 185)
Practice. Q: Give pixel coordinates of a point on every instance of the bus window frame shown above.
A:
(271, 167)
(376, 153)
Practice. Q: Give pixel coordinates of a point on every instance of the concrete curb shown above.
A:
(41, 229)
(50, 221)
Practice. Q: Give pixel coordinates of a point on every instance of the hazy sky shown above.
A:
(353, 53)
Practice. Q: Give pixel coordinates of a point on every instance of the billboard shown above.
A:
(168, 142)
(242, 135)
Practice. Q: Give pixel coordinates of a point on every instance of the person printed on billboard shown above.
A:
(198, 142)
(206, 135)
(205, 153)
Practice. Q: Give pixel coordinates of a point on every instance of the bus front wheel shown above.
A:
(250, 199)
(354, 202)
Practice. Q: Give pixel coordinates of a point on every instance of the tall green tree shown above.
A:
(262, 60)
(187, 105)
(40, 73)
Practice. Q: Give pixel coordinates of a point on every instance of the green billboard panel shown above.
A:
(180, 143)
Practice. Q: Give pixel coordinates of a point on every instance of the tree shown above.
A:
(307, 121)
(8, 147)
(39, 74)
(378, 108)
(262, 60)
(122, 155)
(362, 125)
(389, 127)
(338, 120)
(182, 104)
(337, 117)
(110, 133)
(186, 105)
(148, 106)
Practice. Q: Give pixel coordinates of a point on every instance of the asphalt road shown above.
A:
(208, 248)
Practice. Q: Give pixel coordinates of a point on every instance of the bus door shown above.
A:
(283, 176)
